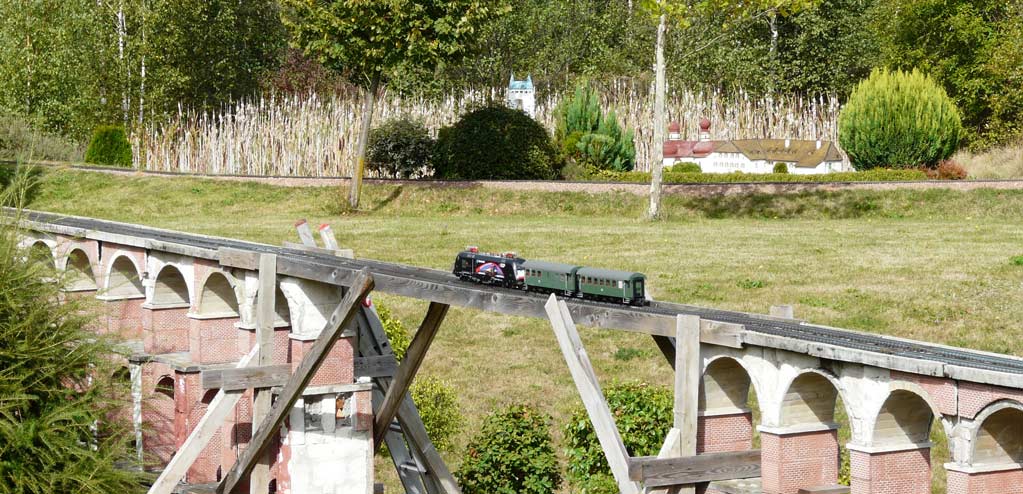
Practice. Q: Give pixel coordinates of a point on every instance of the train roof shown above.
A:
(553, 267)
(609, 274)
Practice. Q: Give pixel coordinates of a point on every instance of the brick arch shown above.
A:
(170, 287)
(79, 272)
(124, 278)
(999, 439)
(218, 296)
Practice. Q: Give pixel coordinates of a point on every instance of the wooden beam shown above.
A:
(407, 370)
(664, 472)
(327, 235)
(377, 366)
(346, 253)
(339, 319)
(825, 489)
(266, 376)
(223, 403)
(266, 300)
(591, 394)
(236, 258)
(687, 386)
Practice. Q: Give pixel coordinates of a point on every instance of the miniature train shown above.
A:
(510, 271)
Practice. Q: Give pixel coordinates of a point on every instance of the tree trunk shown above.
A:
(659, 90)
(355, 188)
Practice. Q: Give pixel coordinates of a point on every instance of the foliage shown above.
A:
(20, 142)
(946, 170)
(780, 167)
(585, 135)
(437, 402)
(57, 386)
(400, 148)
(899, 120)
(643, 415)
(872, 175)
(513, 453)
(1017, 260)
(684, 167)
(109, 146)
(395, 329)
(495, 142)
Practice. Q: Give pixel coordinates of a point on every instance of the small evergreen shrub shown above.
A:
(686, 167)
(495, 142)
(586, 135)
(780, 167)
(643, 414)
(899, 120)
(513, 453)
(395, 330)
(400, 148)
(109, 146)
(437, 402)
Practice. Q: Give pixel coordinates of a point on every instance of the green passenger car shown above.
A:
(611, 285)
(550, 276)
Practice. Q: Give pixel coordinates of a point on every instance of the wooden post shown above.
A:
(589, 390)
(687, 385)
(407, 370)
(339, 319)
(266, 294)
(327, 235)
(304, 233)
(222, 404)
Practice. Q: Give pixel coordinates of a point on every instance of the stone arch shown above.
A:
(281, 307)
(904, 418)
(78, 270)
(40, 252)
(218, 296)
(170, 287)
(999, 439)
(123, 279)
(725, 384)
(810, 398)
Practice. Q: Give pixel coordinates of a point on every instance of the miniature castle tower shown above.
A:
(521, 95)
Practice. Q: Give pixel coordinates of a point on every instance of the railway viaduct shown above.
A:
(189, 302)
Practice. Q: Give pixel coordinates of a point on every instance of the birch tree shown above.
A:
(368, 40)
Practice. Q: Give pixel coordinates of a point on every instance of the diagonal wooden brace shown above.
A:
(339, 319)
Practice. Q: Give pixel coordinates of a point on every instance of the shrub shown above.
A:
(946, 170)
(685, 167)
(585, 135)
(513, 453)
(437, 402)
(495, 143)
(395, 330)
(58, 387)
(1018, 260)
(643, 414)
(898, 120)
(780, 167)
(20, 142)
(109, 146)
(400, 148)
(874, 175)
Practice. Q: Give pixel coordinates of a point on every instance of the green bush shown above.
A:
(873, 175)
(780, 167)
(20, 142)
(643, 414)
(898, 120)
(437, 402)
(60, 387)
(685, 167)
(395, 330)
(585, 135)
(400, 148)
(109, 146)
(513, 453)
(495, 143)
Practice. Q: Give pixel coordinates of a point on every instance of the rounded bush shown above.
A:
(899, 120)
(686, 167)
(400, 148)
(513, 453)
(109, 146)
(495, 143)
(437, 402)
(643, 415)
(780, 167)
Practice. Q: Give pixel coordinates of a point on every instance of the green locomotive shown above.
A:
(567, 280)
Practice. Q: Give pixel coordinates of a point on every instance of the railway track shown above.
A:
(792, 329)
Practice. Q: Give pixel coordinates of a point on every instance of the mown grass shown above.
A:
(931, 265)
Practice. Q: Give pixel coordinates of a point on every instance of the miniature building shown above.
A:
(521, 95)
(804, 157)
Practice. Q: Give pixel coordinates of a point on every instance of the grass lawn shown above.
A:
(934, 265)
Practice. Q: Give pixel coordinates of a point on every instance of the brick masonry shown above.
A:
(724, 433)
(897, 472)
(793, 461)
(1004, 482)
(165, 330)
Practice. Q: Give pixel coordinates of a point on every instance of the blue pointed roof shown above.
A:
(526, 84)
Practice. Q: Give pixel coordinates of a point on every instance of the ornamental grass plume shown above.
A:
(59, 397)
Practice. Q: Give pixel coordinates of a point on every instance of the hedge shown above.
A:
(875, 175)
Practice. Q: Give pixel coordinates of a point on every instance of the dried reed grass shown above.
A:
(999, 162)
(316, 136)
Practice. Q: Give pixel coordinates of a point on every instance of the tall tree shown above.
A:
(368, 40)
(682, 12)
